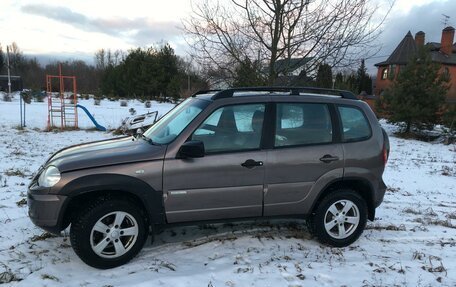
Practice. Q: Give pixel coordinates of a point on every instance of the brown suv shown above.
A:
(227, 154)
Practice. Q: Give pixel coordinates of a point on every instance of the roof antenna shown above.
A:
(445, 20)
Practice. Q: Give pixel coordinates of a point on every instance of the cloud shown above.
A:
(427, 18)
(138, 31)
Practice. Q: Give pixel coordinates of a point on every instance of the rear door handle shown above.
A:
(250, 163)
(327, 158)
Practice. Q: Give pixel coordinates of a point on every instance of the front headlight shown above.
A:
(49, 177)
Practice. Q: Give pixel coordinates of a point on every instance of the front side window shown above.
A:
(302, 124)
(232, 128)
(354, 124)
(173, 123)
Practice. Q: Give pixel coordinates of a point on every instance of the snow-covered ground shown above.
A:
(411, 243)
(108, 114)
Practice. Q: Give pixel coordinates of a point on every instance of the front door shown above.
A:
(228, 181)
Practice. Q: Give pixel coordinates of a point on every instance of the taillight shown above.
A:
(385, 155)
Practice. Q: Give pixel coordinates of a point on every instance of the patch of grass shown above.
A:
(8, 276)
(118, 132)
(390, 227)
(418, 255)
(444, 223)
(448, 171)
(16, 172)
(49, 277)
(19, 128)
(451, 215)
(168, 265)
(393, 189)
(22, 202)
(43, 236)
(433, 267)
(425, 137)
(411, 211)
(17, 152)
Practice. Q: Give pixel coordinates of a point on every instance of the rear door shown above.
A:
(305, 152)
(228, 181)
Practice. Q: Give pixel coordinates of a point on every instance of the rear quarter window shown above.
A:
(355, 126)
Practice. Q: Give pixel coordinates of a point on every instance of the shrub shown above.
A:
(123, 103)
(39, 96)
(96, 101)
(132, 111)
(6, 97)
(148, 104)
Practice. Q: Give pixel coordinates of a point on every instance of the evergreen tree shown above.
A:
(324, 76)
(363, 80)
(339, 81)
(247, 75)
(351, 83)
(418, 93)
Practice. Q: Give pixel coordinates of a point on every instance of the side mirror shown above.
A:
(191, 149)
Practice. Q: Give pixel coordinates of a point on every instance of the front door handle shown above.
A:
(327, 158)
(250, 163)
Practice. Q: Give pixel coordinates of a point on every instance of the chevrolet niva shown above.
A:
(219, 155)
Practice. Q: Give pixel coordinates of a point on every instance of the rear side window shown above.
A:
(302, 124)
(355, 126)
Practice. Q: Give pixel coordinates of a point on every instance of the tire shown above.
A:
(341, 229)
(108, 233)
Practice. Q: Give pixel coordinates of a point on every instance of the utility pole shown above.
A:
(9, 75)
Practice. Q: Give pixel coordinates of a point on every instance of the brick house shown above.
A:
(443, 53)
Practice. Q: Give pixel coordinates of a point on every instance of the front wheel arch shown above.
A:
(86, 188)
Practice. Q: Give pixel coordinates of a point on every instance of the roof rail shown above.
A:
(205, 92)
(294, 91)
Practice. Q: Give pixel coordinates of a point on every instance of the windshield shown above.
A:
(173, 123)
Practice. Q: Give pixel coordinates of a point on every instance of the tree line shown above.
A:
(357, 81)
(154, 72)
(147, 73)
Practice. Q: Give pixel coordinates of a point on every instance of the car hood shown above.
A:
(107, 152)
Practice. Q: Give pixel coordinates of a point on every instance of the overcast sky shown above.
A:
(77, 28)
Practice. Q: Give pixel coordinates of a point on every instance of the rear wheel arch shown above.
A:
(359, 185)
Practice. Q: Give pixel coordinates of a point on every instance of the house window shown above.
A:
(392, 70)
(446, 73)
(385, 73)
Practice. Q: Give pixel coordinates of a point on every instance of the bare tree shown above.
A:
(2, 59)
(336, 32)
(100, 59)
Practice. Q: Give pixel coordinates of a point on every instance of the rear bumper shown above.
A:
(44, 210)
(380, 193)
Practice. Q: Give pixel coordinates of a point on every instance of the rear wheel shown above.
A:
(340, 218)
(108, 233)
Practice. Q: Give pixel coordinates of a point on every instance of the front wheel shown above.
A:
(340, 218)
(108, 233)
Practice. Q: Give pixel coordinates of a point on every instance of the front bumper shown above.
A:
(45, 209)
